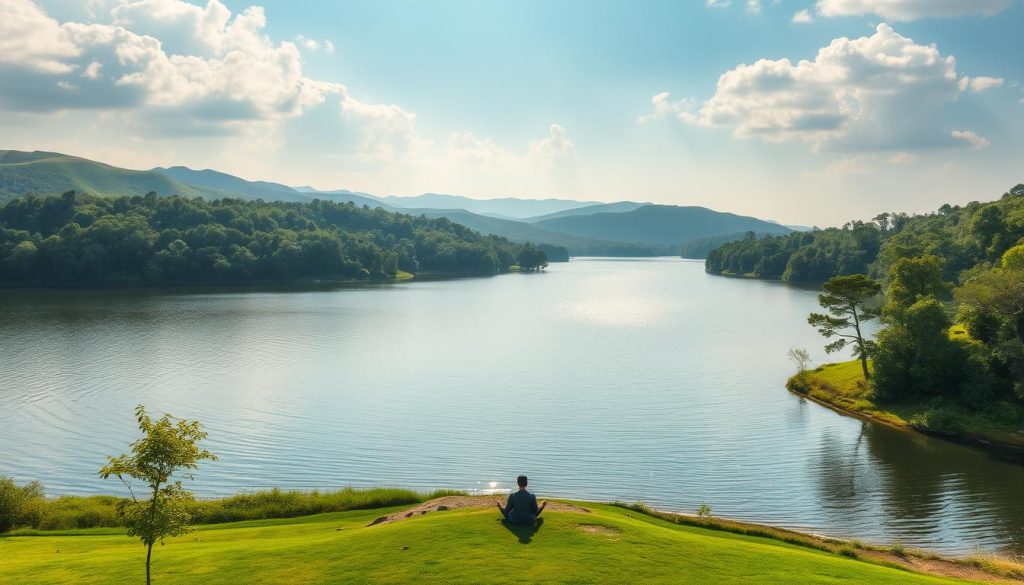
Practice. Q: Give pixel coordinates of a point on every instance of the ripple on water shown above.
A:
(602, 380)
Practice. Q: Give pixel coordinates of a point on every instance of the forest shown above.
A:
(963, 236)
(81, 239)
(952, 312)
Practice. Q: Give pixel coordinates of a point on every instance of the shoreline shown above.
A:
(815, 385)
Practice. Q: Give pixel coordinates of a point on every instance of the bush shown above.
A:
(71, 512)
(15, 500)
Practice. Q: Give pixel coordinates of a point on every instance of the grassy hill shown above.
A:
(659, 224)
(468, 545)
(211, 179)
(49, 173)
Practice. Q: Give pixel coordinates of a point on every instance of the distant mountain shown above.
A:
(617, 207)
(521, 232)
(340, 195)
(624, 228)
(51, 173)
(232, 184)
(659, 224)
(259, 189)
(509, 207)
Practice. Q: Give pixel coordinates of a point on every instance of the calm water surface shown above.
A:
(601, 379)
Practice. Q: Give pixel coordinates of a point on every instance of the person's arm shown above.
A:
(543, 505)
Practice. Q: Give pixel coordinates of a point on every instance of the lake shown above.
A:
(632, 380)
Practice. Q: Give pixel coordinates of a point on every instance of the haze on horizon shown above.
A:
(800, 111)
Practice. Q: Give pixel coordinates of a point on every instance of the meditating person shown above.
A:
(522, 505)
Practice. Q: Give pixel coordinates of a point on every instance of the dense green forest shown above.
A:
(961, 266)
(86, 239)
(963, 236)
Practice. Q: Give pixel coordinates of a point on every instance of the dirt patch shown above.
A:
(598, 529)
(935, 566)
(456, 502)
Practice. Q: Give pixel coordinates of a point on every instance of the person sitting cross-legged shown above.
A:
(522, 505)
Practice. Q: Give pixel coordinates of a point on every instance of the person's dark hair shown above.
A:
(521, 480)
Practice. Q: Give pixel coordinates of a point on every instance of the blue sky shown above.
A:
(920, 105)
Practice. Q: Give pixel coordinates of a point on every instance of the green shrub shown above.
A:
(70, 512)
(704, 510)
(14, 501)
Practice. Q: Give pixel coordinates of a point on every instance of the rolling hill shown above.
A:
(617, 207)
(508, 207)
(623, 228)
(224, 182)
(659, 224)
(51, 173)
(521, 232)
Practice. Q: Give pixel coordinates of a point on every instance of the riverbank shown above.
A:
(841, 387)
(459, 539)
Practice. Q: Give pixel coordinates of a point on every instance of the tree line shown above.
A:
(963, 236)
(77, 238)
(917, 356)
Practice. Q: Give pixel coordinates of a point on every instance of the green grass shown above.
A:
(842, 386)
(611, 545)
(71, 512)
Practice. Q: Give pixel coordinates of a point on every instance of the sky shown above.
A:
(811, 112)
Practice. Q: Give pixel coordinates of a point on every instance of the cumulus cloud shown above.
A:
(803, 17)
(718, 3)
(883, 92)
(177, 68)
(897, 10)
(555, 146)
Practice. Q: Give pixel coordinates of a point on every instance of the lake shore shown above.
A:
(684, 546)
(842, 388)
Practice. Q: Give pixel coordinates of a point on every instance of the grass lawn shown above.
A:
(842, 386)
(609, 545)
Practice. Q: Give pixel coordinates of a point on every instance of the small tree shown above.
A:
(167, 446)
(844, 298)
(800, 357)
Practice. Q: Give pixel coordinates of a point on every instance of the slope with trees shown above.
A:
(963, 236)
(667, 225)
(85, 239)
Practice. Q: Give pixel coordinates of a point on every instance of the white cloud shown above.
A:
(555, 146)
(976, 142)
(681, 109)
(979, 84)
(803, 17)
(177, 68)
(718, 3)
(468, 148)
(897, 10)
(883, 92)
(902, 158)
(314, 45)
(754, 5)
(30, 38)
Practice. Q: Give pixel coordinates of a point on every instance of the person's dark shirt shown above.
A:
(522, 507)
